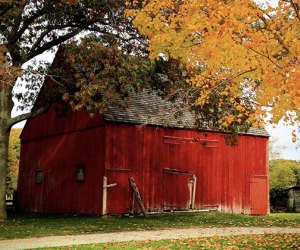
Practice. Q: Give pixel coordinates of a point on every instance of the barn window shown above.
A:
(80, 173)
(39, 175)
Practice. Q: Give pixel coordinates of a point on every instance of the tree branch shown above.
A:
(26, 116)
(40, 38)
(4, 10)
(103, 31)
(267, 57)
(53, 43)
(26, 24)
(296, 9)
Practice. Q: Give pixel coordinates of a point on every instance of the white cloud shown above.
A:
(284, 135)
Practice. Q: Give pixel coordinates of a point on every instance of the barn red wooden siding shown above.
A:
(57, 146)
(163, 162)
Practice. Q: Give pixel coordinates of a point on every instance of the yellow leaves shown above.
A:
(231, 41)
(224, 93)
(229, 119)
(202, 99)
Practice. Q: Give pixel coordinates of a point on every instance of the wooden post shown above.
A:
(138, 196)
(104, 196)
(194, 191)
(191, 184)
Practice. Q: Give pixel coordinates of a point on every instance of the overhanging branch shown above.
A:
(54, 43)
(26, 116)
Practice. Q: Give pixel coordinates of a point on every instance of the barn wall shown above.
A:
(52, 123)
(163, 162)
(149, 154)
(58, 146)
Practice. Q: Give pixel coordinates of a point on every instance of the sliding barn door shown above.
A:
(177, 190)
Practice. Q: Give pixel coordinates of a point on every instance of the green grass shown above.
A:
(282, 241)
(38, 225)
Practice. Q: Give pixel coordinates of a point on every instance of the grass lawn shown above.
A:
(38, 225)
(283, 241)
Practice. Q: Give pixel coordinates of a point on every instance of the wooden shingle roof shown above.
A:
(148, 108)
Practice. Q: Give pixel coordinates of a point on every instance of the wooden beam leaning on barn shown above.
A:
(137, 196)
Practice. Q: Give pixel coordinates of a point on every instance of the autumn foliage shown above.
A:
(92, 76)
(30, 28)
(244, 53)
(13, 160)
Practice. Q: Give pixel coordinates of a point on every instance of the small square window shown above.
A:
(80, 173)
(39, 175)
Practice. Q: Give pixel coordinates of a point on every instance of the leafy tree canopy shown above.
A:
(93, 75)
(241, 56)
(283, 173)
(29, 28)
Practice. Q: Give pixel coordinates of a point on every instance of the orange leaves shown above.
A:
(8, 73)
(239, 39)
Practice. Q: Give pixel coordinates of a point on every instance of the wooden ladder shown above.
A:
(136, 194)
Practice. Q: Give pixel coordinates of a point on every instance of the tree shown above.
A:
(283, 175)
(92, 75)
(13, 160)
(29, 28)
(238, 54)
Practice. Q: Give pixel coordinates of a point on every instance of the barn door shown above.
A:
(259, 194)
(177, 190)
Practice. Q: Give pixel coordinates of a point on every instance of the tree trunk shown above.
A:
(6, 105)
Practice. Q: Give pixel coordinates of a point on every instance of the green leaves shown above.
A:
(284, 174)
(93, 75)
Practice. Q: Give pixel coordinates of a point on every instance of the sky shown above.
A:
(284, 135)
(282, 132)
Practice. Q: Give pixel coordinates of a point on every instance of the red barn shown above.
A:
(65, 160)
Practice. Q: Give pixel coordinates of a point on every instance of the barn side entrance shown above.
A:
(178, 189)
(258, 194)
(179, 180)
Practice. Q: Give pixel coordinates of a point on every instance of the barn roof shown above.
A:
(148, 108)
